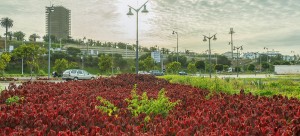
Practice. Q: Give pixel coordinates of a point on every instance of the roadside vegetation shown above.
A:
(288, 86)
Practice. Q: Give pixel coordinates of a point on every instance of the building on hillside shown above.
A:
(288, 58)
(272, 53)
(250, 55)
(229, 55)
(60, 22)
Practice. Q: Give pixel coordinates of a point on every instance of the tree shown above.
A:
(73, 51)
(6, 23)
(33, 37)
(19, 35)
(4, 60)
(119, 62)
(105, 63)
(53, 38)
(10, 35)
(223, 60)
(173, 67)
(251, 67)
(192, 68)
(145, 56)
(265, 65)
(30, 53)
(60, 65)
(148, 63)
(200, 65)
(219, 67)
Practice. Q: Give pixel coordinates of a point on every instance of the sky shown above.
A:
(274, 24)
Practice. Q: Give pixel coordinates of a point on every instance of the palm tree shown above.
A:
(33, 37)
(7, 23)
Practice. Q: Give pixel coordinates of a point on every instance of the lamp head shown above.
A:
(215, 38)
(145, 9)
(129, 12)
(204, 40)
(52, 8)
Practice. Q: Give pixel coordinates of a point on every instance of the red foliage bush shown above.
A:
(68, 108)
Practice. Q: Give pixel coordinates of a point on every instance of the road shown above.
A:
(5, 84)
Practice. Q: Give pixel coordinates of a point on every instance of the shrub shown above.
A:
(106, 106)
(142, 104)
(14, 99)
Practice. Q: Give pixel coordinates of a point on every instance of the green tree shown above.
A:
(10, 35)
(219, 67)
(60, 65)
(148, 63)
(145, 56)
(33, 37)
(119, 62)
(225, 67)
(6, 23)
(19, 35)
(265, 65)
(223, 60)
(105, 63)
(53, 38)
(200, 65)
(30, 53)
(192, 68)
(174, 67)
(73, 51)
(251, 67)
(4, 60)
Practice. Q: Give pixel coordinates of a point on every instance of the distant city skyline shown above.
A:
(257, 24)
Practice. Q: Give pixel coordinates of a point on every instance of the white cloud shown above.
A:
(273, 23)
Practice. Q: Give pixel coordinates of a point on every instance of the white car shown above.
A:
(77, 74)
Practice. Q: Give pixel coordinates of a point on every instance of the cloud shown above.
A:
(257, 23)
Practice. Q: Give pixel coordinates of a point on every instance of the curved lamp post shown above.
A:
(48, 11)
(174, 32)
(209, 50)
(137, 31)
(237, 58)
(231, 43)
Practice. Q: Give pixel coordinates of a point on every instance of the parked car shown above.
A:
(77, 74)
(182, 73)
(156, 73)
(143, 72)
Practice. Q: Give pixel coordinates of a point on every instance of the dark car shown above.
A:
(182, 73)
(156, 73)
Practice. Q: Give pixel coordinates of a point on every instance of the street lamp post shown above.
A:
(209, 56)
(294, 57)
(267, 58)
(231, 43)
(48, 11)
(137, 31)
(237, 58)
(174, 32)
(255, 53)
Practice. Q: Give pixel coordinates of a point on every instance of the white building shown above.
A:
(250, 55)
(229, 54)
(287, 69)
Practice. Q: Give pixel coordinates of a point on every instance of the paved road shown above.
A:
(5, 84)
